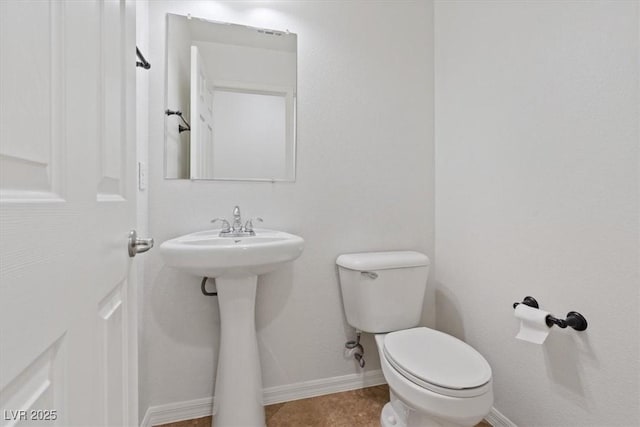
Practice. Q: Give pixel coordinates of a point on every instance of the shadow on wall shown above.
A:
(179, 310)
(565, 353)
(176, 295)
(367, 340)
(274, 290)
(428, 317)
(448, 316)
(349, 331)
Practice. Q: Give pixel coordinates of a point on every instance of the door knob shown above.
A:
(137, 245)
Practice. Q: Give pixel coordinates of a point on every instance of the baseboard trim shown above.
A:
(197, 408)
(306, 389)
(177, 411)
(497, 419)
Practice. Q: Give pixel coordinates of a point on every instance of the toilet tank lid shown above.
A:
(382, 260)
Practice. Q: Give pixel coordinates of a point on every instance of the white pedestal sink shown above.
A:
(235, 263)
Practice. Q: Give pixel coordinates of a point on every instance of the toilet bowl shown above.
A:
(434, 379)
(452, 388)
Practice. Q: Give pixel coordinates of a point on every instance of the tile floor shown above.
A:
(356, 408)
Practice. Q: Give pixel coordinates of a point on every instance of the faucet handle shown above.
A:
(226, 227)
(248, 226)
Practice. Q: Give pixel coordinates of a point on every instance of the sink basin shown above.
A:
(206, 254)
(235, 263)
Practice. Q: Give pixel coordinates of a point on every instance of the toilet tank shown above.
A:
(383, 291)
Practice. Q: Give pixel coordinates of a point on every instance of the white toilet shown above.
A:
(434, 378)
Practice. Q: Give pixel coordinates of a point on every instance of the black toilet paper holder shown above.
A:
(574, 319)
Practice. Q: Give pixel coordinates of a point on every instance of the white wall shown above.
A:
(537, 194)
(364, 183)
(178, 95)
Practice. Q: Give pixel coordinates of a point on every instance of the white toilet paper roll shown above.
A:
(533, 325)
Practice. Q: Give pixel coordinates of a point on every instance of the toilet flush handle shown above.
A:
(370, 274)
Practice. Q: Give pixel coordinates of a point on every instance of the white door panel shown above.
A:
(67, 202)
(201, 118)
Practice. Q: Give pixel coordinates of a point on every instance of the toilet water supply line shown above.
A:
(358, 350)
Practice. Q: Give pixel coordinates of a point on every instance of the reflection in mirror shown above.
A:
(230, 101)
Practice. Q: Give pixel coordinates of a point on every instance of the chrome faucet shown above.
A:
(236, 229)
(237, 220)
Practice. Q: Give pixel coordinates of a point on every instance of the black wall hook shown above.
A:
(143, 62)
(186, 127)
(574, 319)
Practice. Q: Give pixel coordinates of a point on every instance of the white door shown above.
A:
(67, 202)
(201, 118)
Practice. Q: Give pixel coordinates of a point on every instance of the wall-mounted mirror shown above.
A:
(230, 110)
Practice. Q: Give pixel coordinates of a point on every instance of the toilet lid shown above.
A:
(437, 361)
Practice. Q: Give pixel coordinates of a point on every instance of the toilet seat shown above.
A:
(438, 362)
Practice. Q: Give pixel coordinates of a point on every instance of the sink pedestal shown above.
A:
(235, 263)
(238, 393)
